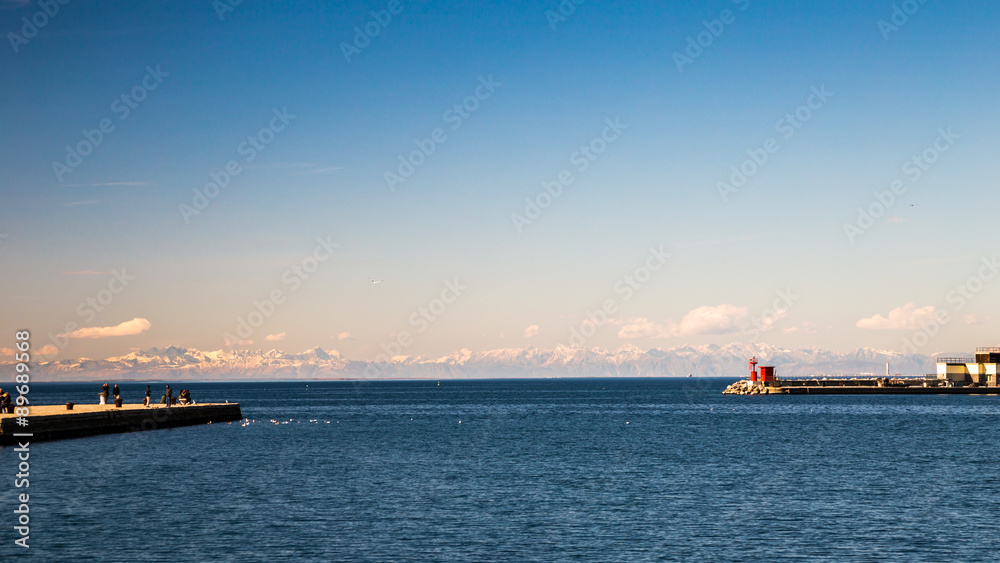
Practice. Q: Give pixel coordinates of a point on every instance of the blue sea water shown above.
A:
(520, 470)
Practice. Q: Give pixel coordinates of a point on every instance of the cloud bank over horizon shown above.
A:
(707, 360)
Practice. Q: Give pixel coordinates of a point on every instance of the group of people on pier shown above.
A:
(104, 394)
(167, 399)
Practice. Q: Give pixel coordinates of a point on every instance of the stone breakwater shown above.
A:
(745, 387)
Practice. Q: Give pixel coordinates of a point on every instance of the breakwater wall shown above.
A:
(875, 386)
(55, 422)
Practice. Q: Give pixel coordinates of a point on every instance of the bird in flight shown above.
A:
(374, 281)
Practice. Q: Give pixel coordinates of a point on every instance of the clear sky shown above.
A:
(647, 111)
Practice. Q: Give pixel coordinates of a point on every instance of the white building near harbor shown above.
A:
(980, 371)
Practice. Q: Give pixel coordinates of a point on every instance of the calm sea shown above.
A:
(520, 470)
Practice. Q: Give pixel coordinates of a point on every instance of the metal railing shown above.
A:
(955, 360)
(987, 349)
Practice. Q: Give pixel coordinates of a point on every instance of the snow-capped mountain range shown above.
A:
(175, 363)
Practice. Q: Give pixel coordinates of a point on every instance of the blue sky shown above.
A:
(892, 94)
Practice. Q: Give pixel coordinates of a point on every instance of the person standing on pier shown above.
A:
(149, 396)
(169, 395)
(104, 394)
(116, 392)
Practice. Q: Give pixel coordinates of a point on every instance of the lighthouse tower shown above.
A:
(766, 375)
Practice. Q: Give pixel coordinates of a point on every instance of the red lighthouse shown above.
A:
(766, 372)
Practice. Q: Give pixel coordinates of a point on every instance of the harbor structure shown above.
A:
(980, 370)
(955, 375)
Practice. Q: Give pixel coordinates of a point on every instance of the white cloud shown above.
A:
(323, 170)
(48, 350)
(720, 319)
(237, 342)
(810, 327)
(723, 319)
(906, 317)
(971, 319)
(645, 328)
(127, 328)
(275, 337)
(6, 351)
(345, 336)
(531, 331)
(807, 327)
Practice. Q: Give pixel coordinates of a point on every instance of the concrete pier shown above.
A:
(55, 422)
(855, 386)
